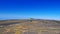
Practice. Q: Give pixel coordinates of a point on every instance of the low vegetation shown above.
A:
(30, 27)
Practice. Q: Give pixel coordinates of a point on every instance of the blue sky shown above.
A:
(21, 9)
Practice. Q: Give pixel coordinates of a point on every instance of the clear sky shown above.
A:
(20, 9)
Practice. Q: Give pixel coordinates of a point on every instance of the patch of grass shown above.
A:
(1, 26)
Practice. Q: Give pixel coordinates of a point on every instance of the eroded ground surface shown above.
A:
(34, 27)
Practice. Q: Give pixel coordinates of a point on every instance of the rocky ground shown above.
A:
(27, 27)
